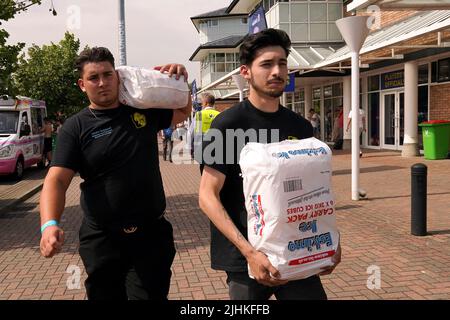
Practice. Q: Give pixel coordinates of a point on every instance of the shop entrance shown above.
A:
(392, 120)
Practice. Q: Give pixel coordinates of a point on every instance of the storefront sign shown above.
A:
(392, 80)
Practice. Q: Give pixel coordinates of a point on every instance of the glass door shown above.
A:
(393, 122)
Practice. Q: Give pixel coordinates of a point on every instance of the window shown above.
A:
(296, 101)
(213, 23)
(306, 20)
(222, 62)
(423, 111)
(332, 106)
(423, 74)
(434, 71)
(374, 83)
(327, 91)
(318, 31)
(37, 120)
(316, 93)
(299, 12)
(244, 21)
(328, 107)
(318, 12)
(337, 89)
(374, 119)
(443, 70)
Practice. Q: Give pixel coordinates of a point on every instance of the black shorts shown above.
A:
(48, 145)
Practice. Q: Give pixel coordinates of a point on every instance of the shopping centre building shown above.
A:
(404, 68)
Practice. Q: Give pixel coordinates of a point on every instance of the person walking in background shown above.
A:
(201, 124)
(361, 125)
(338, 129)
(167, 137)
(315, 122)
(48, 141)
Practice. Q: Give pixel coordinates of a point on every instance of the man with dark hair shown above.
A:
(126, 244)
(264, 65)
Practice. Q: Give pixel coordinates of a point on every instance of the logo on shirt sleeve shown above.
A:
(139, 120)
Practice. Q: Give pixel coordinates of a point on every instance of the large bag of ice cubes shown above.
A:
(145, 88)
(290, 205)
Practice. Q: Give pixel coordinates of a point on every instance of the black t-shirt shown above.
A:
(116, 153)
(263, 128)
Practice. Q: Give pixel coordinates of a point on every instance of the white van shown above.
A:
(21, 139)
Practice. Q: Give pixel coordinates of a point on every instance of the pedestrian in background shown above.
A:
(167, 136)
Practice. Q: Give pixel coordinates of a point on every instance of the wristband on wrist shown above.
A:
(48, 224)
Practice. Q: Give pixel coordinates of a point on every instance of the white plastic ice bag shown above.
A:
(144, 88)
(289, 201)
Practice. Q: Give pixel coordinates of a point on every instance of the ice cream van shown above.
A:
(21, 137)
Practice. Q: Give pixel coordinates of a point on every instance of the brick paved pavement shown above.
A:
(374, 232)
(12, 191)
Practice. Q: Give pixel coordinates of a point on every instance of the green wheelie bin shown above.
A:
(436, 136)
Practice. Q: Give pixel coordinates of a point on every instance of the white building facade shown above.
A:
(405, 71)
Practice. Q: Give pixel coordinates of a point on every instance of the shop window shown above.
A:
(374, 83)
(337, 89)
(316, 107)
(374, 119)
(444, 70)
(302, 109)
(422, 111)
(423, 74)
(328, 119)
(327, 91)
(316, 93)
(288, 100)
(434, 71)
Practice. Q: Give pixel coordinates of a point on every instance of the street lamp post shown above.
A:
(240, 84)
(122, 38)
(354, 30)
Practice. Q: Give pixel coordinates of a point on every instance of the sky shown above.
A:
(157, 31)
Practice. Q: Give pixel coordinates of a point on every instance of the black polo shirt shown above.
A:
(116, 153)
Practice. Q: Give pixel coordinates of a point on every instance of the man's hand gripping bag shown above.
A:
(290, 205)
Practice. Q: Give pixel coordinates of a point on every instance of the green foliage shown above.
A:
(48, 74)
(9, 53)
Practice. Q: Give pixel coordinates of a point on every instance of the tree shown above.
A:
(49, 74)
(9, 53)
